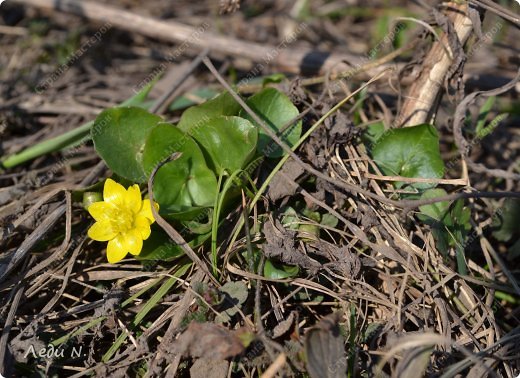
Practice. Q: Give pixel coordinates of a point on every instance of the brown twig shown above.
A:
(499, 10)
(162, 102)
(280, 57)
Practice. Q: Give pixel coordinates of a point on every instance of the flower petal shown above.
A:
(116, 250)
(133, 198)
(114, 192)
(142, 225)
(102, 211)
(146, 210)
(101, 231)
(133, 242)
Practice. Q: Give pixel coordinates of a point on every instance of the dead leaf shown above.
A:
(325, 350)
(414, 362)
(234, 294)
(210, 341)
(285, 325)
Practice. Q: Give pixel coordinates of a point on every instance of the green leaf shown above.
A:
(482, 115)
(329, 220)
(410, 152)
(230, 142)
(119, 136)
(370, 331)
(201, 223)
(193, 118)
(290, 219)
(140, 98)
(461, 216)
(373, 132)
(435, 211)
(274, 78)
(183, 102)
(507, 220)
(70, 138)
(495, 122)
(159, 247)
(276, 110)
(184, 183)
(278, 271)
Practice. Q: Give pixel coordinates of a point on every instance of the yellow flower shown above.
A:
(122, 219)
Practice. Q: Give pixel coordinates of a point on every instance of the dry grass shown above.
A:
(375, 289)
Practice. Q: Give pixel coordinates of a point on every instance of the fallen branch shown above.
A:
(280, 57)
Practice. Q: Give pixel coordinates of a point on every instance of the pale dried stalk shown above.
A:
(420, 103)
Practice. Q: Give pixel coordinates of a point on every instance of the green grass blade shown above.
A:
(79, 331)
(152, 302)
(69, 138)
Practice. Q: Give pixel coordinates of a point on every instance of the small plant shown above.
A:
(414, 152)
(217, 142)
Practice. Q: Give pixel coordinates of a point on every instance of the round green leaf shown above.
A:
(410, 152)
(119, 135)
(222, 105)
(435, 211)
(229, 142)
(184, 183)
(276, 110)
(277, 271)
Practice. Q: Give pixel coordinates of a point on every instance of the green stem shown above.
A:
(48, 146)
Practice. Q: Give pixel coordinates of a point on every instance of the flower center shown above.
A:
(123, 220)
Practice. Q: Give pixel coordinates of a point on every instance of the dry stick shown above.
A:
(275, 367)
(162, 102)
(172, 233)
(405, 204)
(419, 106)
(498, 10)
(163, 351)
(355, 70)
(285, 59)
(9, 323)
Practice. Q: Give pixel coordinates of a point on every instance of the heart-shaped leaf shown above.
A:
(222, 105)
(119, 136)
(410, 152)
(184, 183)
(276, 110)
(229, 142)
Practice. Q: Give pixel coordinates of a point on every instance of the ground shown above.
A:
(330, 262)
